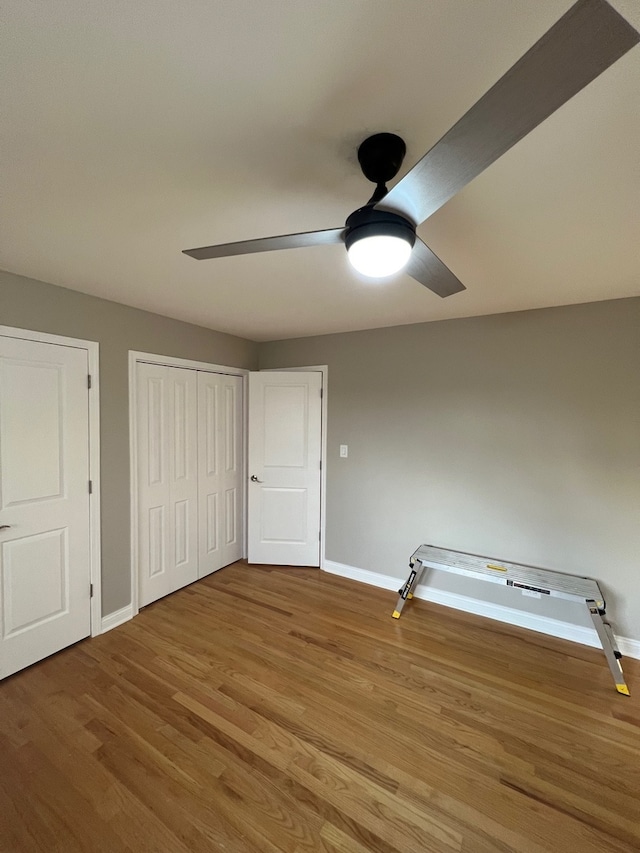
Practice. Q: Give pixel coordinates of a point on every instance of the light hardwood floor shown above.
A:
(270, 709)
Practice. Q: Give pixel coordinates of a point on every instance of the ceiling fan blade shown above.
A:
(428, 269)
(268, 244)
(589, 38)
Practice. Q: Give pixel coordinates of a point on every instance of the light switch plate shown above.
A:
(344, 450)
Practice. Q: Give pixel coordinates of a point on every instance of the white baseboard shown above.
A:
(118, 617)
(510, 615)
(630, 648)
(362, 575)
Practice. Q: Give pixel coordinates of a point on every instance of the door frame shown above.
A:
(170, 361)
(324, 370)
(92, 349)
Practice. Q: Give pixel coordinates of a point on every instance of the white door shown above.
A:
(167, 479)
(219, 470)
(44, 501)
(285, 441)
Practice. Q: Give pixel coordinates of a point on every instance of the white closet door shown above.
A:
(44, 501)
(167, 479)
(220, 470)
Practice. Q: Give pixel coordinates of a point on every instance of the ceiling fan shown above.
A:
(381, 237)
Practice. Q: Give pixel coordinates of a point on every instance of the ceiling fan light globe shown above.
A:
(379, 255)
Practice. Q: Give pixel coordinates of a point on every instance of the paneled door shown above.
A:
(44, 500)
(219, 470)
(167, 454)
(285, 446)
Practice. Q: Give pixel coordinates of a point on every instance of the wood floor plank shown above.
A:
(283, 710)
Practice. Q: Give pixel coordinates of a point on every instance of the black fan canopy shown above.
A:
(380, 237)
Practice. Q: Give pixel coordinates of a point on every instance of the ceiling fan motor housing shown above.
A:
(368, 222)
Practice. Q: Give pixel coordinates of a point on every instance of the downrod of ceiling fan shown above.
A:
(379, 193)
(380, 157)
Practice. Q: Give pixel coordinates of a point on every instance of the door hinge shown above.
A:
(90, 590)
(319, 535)
(90, 487)
(321, 393)
(88, 380)
(321, 464)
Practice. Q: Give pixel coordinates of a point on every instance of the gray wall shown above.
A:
(29, 304)
(513, 436)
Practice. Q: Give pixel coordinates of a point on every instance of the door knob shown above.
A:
(254, 479)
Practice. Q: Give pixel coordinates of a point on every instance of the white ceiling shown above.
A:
(132, 130)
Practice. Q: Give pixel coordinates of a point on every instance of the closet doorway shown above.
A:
(187, 472)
